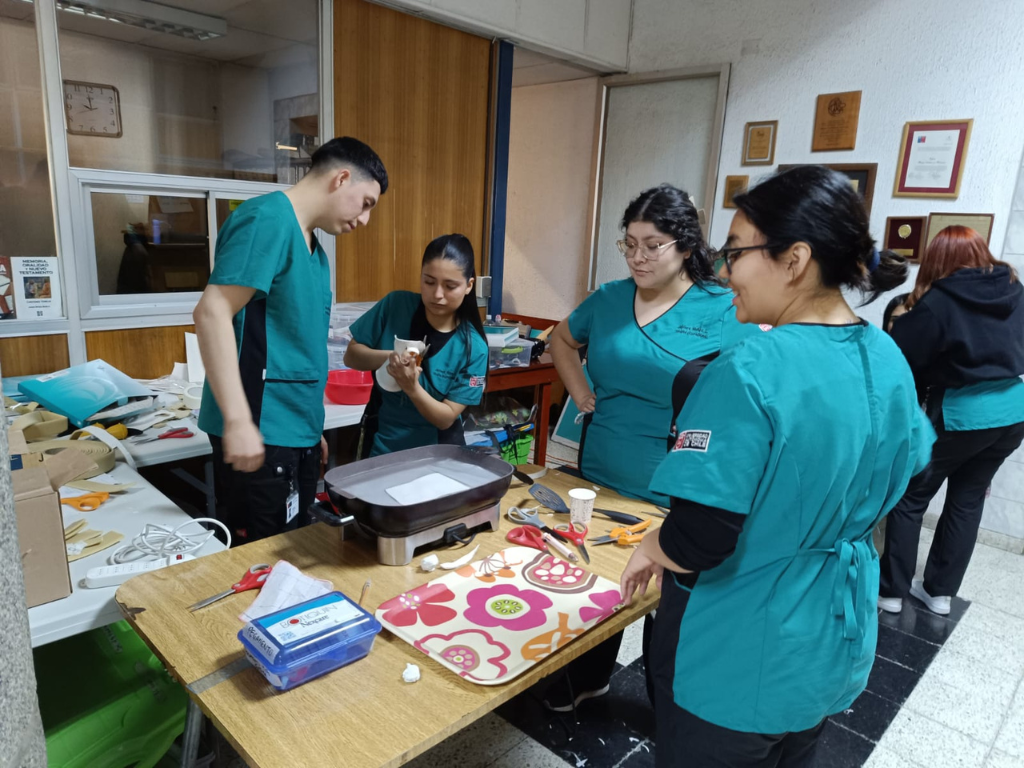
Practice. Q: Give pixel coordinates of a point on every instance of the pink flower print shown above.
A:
(420, 603)
(607, 603)
(473, 653)
(507, 606)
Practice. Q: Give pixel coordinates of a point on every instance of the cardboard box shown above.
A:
(37, 509)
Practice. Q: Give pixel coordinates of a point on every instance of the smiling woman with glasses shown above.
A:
(792, 446)
(639, 333)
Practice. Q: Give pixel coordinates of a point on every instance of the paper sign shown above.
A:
(36, 282)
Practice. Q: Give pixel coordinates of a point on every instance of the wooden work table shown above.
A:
(362, 715)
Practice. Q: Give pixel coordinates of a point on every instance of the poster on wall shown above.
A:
(932, 157)
(36, 281)
(8, 310)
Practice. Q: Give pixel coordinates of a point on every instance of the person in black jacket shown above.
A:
(964, 339)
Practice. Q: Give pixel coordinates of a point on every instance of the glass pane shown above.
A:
(26, 211)
(207, 89)
(225, 207)
(150, 243)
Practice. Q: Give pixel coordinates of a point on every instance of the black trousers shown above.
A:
(257, 502)
(686, 741)
(969, 461)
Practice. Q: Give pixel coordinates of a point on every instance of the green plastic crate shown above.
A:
(106, 701)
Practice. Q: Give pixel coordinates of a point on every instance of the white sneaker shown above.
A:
(890, 604)
(939, 605)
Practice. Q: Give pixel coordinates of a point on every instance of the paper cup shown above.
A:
(581, 505)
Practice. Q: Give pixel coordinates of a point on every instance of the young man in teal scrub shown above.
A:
(262, 325)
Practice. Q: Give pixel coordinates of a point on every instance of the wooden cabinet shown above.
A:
(418, 93)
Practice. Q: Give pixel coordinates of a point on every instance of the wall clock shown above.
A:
(92, 109)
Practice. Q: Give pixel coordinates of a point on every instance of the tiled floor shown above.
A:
(944, 693)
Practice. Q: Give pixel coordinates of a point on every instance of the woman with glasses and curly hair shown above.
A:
(963, 335)
(639, 334)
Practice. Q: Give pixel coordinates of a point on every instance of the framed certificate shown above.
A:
(759, 143)
(905, 235)
(932, 157)
(979, 222)
(861, 176)
(733, 186)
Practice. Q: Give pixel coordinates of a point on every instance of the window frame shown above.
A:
(72, 215)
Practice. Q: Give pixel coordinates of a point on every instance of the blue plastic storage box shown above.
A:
(298, 644)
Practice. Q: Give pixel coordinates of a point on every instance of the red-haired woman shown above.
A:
(963, 335)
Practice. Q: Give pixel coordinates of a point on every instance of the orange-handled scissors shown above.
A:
(624, 535)
(87, 502)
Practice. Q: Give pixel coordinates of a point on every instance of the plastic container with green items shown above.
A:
(106, 701)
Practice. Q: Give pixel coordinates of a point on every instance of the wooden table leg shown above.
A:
(540, 453)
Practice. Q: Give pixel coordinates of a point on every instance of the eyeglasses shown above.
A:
(650, 251)
(729, 255)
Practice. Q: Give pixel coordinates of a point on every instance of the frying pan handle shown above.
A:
(323, 512)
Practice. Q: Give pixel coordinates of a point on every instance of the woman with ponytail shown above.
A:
(792, 446)
(433, 392)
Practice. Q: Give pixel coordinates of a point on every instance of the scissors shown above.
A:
(527, 536)
(251, 579)
(573, 532)
(624, 535)
(87, 502)
(529, 516)
(179, 433)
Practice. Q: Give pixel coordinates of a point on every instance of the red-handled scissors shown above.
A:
(179, 433)
(252, 579)
(576, 533)
(528, 536)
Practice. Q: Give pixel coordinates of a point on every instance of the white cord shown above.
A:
(157, 541)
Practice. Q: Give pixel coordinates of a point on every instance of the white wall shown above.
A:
(913, 60)
(594, 33)
(549, 193)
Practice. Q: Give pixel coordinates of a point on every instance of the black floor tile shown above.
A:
(840, 748)
(891, 681)
(643, 757)
(603, 730)
(905, 649)
(869, 716)
(918, 621)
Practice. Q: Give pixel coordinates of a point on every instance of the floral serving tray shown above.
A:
(492, 620)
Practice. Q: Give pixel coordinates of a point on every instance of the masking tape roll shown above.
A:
(109, 440)
(40, 425)
(193, 396)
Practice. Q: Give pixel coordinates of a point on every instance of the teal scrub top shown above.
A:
(458, 372)
(281, 334)
(633, 368)
(813, 432)
(987, 405)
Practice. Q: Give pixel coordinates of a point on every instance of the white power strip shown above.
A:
(112, 575)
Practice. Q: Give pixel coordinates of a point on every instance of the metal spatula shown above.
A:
(548, 498)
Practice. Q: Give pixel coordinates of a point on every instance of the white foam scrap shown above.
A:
(461, 561)
(411, 673)
(429, 563)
